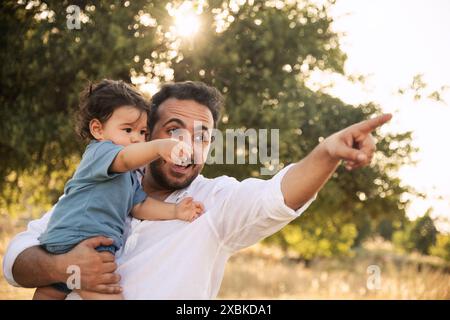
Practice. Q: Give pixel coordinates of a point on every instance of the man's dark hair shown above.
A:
(98, 101)
(201, 93)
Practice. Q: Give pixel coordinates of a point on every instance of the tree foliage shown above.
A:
(442, 247)
(419, 235)
(258, 53)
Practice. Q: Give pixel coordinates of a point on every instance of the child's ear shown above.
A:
(96, 128)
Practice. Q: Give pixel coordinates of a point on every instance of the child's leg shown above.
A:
(90, 295)
(48, 293)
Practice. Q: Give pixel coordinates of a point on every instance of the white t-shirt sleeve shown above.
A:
(251, 211)
(22, 241)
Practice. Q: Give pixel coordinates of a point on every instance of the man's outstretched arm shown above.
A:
(248, 211)
(354, 145)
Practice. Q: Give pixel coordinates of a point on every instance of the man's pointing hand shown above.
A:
(355, 144)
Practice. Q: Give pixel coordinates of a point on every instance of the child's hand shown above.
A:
(188, 209)
(175, 151)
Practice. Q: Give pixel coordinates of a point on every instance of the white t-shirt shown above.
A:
(181, 260)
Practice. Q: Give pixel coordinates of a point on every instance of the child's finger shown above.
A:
(198, 210)
(200, 206)
(181, 154)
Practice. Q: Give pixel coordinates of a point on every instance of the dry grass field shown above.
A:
(263, 273)
(260, 272)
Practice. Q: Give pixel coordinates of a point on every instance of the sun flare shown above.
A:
(186, 19)
(186, 24)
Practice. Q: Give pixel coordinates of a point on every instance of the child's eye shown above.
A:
(144, 132)
(127, 130)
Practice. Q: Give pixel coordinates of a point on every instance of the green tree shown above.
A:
(385, 229)
(418, 235)
(261, 62)
(424, 233)
(259, 54)
(442, 247)
(45, 65)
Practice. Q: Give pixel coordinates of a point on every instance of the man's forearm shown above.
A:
(36, 268)
(307, 177)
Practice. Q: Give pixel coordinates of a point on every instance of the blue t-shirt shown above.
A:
(96, 201)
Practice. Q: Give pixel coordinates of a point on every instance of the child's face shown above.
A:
(126, 125)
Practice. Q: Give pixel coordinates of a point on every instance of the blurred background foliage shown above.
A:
(258, 53)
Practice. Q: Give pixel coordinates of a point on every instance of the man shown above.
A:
(180, 260)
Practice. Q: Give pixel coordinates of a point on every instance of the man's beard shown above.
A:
(163, 181)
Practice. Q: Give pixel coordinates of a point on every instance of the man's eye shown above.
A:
(201, 137)
(198, 138)
(172, 131)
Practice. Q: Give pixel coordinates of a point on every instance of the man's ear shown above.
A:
(96, 128)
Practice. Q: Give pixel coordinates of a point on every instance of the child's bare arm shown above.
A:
(137, 155)
(152, 209)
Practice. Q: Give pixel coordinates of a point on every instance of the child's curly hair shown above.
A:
(98, 101)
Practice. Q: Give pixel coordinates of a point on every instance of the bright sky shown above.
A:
(391, 41)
